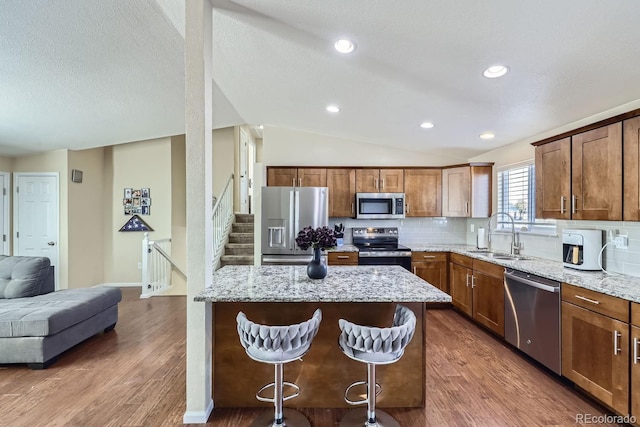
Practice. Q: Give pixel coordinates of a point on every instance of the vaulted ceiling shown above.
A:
(79, 74)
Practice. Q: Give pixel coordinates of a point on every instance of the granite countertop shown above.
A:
(271, 283)
(617, 285)
(344, 248)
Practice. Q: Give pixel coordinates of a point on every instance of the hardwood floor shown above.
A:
(135, 376)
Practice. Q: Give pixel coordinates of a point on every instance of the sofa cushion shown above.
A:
(47, 314)
(23, 276)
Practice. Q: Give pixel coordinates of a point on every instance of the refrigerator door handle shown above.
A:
(296, 219)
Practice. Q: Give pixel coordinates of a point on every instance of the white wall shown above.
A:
(288, 147)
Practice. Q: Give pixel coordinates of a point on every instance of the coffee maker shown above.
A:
(581, 248)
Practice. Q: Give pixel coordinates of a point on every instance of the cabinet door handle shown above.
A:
(352, 208)
(562, 204)
(294, 182)
(636, 359)
(473, 281)
(382, 184)
(428, 256)
(466, 207)
(414, 269)
(574, 203)
(407, 209)
(592, 301)
(616, 335)
(467, 280)
(376, 183)
(343, 256)
(299, 182)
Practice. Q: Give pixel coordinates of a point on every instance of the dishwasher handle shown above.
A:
(529, 282)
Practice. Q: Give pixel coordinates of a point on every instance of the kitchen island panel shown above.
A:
(325, 371)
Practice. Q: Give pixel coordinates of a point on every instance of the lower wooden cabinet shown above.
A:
(342, 258)
(477, 290)
(595, 347)
(635, 362)
(432, 267)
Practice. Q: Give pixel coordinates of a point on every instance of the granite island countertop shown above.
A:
(274, 283)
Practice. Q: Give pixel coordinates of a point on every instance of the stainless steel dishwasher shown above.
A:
(532, 316)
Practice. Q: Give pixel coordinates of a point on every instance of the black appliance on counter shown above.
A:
(379, 246)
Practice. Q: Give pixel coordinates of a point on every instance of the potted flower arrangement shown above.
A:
(320, 239)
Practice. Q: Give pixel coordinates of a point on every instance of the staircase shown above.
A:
(239, 250)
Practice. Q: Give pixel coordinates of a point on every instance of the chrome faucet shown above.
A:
(515, 244)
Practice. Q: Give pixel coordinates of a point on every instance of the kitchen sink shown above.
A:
(507, 257)
(480, 251)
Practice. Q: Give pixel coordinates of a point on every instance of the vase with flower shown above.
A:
(319, 239)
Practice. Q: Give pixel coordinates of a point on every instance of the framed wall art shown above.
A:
(137, 201)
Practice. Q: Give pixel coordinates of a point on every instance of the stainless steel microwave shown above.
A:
(379, 205)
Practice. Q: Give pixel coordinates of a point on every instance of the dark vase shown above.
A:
(316, 269)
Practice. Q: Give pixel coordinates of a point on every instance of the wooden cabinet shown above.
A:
(553, 179)
(342, 258)
(580, 177)
(635, 362)
(596, 174)
(595, 345)
(432, 267)
(477, 290)
(296, 177)
(487, 284)
(460, 273)
(342, 192)
(466, 191)
(379, 180)
(423, 192)
(631, 169)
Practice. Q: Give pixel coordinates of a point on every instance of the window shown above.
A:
(517, 197)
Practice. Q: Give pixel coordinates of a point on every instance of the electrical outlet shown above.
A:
(621, 242)
(139, 266)
(472, 228)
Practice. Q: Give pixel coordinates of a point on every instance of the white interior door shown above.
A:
(4, 213)
(244, 172)
(35, 215)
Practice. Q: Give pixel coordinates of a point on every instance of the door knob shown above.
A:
(51, 243)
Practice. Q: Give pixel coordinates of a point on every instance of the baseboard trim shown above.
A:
(198, 417)
(122, 285)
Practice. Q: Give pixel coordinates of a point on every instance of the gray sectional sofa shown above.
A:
(37, 323)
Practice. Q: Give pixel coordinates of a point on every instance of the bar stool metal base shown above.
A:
(292, 418)
(358, 418)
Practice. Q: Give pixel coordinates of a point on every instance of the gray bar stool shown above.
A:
(278, 345)
(374, 346)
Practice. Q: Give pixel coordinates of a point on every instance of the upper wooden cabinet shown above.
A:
(631, 169)
(342, 192)
(596, 174)
(581, 177)
(296, 177)
(553, 179)
(466, 191)
(423, 192)
(379, 180)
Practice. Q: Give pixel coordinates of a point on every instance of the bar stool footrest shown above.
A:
(284, 399)
(359, 402)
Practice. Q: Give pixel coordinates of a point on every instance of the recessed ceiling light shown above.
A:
(333, 108)
(487, 135)
(344, 46)
(260, 127)
(495, 71)
(426, 125)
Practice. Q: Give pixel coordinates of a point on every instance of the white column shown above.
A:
(198, 123)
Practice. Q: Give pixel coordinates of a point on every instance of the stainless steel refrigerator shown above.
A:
(286, 211)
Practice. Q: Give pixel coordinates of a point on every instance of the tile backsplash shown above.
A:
(418, 231)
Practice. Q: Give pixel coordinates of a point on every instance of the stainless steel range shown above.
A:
(379, 246)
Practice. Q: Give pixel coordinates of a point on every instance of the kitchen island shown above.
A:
(282, 295)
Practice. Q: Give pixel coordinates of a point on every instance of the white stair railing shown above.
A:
(222, 220)
(157, 265)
